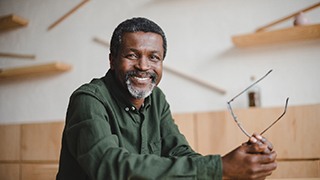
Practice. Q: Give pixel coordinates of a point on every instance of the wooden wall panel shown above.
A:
(297, 169)
(9, 142)
(39, 171)
(41, 141)
(294, 136)
(297, 135)
(186, 125)
(216, 134)
(9, 171)
(31, 151)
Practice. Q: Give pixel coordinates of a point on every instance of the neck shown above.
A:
(137, 102)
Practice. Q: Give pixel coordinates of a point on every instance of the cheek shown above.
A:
(159, 73)
(124, 66)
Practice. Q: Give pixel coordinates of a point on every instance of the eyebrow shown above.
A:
(152, 51)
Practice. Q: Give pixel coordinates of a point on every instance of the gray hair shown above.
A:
(135, 25)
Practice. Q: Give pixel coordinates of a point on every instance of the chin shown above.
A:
(139, 93)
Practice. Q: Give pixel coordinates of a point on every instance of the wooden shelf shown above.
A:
(43, 69)
(19, 56)
(12, 21)
(296, 33)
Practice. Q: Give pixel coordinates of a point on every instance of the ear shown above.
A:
(111, 61)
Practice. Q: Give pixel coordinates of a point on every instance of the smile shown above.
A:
(141, 80)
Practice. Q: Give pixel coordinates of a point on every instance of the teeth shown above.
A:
(141, 79)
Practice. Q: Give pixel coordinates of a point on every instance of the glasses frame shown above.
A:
(235, 118)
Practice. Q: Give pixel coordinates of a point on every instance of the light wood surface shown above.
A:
(9, 171)
(39, 171)
(294, 136)
(186, 124)
(16, 55)
(297, 169)
(214, 132)
(31, 151)
(195, 80)
(42, 69)
(297, 33)
(54, 24)
(294, 178)
(9, 143)
(263, 28)
(41, 142)
(101, 41)
(12, 21)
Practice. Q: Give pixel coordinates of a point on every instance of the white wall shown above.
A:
(199, 43)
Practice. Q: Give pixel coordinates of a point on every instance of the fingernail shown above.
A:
(259, 137)
(253, 140)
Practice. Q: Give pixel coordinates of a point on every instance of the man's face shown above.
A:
(138, 67)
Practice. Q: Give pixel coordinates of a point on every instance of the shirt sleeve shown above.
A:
(175, 145)
(90, 140)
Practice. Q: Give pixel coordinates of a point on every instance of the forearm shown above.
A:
(99, 155)
(119, 164)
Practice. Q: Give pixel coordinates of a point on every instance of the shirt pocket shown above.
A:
(155, 147)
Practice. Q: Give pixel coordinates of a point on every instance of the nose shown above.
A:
(143, 64)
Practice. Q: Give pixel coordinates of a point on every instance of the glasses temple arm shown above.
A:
(251, 85)
(284, 112)
(236, 120)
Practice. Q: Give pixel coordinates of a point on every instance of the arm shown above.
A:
(91, 142)
(252, 160)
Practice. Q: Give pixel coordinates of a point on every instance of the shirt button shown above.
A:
(126, 109)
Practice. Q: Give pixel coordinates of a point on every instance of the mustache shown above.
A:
(132, 73)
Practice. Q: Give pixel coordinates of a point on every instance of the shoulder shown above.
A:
(96, 88)
(158, 99)
(158, 94)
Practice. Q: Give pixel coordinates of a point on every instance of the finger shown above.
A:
(265, 170)
(265, 166)
(263, 140)
(267, 158)
(257, 147)
(253, 139)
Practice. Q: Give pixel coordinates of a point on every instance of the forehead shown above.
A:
(146, 40)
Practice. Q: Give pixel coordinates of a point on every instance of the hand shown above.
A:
(259, 144)
(254, 159)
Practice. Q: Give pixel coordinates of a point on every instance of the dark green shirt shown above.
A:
(106, 137)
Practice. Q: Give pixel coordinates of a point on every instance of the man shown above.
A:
(120, 126)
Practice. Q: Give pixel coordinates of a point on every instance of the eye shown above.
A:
(155, 58)
(132, 56)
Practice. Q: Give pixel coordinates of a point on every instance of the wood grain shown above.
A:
(41, 141)
(294, 136)
(186, 124)
(297, 169)
(10, 143)
(9, 171)
(39, 171)
(12, 21)
(42, 69)
(16, 55)
(263, 28)
(54, 24)
(297, 33)
(195, 80)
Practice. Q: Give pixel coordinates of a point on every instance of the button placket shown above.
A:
(144, 139)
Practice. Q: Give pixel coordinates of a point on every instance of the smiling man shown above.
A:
(138, 66)
(120, 126)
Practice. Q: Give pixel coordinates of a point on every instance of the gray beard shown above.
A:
(139, 93)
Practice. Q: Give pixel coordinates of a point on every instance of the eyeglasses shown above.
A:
(235, 118)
